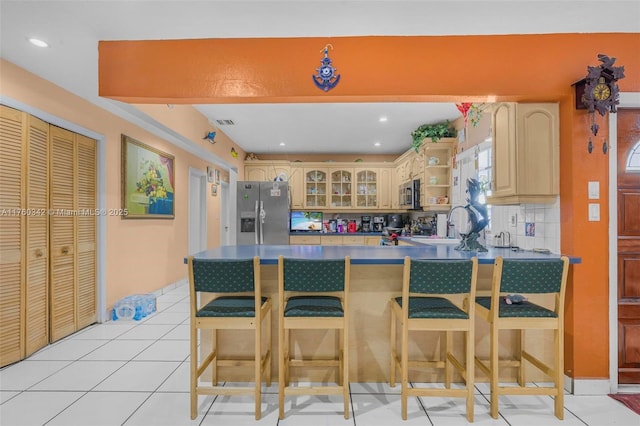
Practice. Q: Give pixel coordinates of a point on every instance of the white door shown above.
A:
(197, 211)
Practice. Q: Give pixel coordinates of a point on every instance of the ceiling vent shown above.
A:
(225, 122)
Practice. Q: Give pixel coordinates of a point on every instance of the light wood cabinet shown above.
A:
(296, 187)
(304, 240)
(341, 188)
(353, 240)
(386, 190)
(316, 185)
(334, 240)
(526, 152)
(261, 171)
(367, 188)
(371, 241)
(331, 240)
(435, 181)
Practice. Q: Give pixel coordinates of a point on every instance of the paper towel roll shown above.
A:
(442, 226)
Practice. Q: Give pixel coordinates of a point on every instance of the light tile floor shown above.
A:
(137, 373)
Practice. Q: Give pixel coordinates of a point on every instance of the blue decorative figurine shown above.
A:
(477, 218)
(210, 136)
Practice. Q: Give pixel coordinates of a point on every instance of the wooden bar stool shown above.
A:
(437, 295)
(237, 305)
(313, 294)
(528, 278)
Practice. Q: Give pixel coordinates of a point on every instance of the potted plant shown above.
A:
(433, 131)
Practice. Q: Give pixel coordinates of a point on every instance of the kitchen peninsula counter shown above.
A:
(376, 277)
(368, 255)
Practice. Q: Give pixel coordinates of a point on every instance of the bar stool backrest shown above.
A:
(532, 276)
(223, 276)
(440, 276)
(323, 275)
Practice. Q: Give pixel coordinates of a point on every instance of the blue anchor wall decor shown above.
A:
(326, 78)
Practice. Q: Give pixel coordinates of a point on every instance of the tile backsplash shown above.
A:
(530, 225)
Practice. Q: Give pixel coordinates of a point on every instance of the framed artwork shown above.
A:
(214, 190)
(148, 181)
(210, 174)
(217, 177)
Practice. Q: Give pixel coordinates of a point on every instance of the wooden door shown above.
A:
(62, 234)
(86, 202)
(628, 247)
(36, 236)
(11, 236)
(23, 235)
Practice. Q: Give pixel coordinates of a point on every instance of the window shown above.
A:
(485, 168)
(633, 162)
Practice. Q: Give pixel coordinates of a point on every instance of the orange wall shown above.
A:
(520, 68)
(141, 255)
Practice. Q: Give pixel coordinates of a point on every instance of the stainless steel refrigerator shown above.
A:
(263, 213)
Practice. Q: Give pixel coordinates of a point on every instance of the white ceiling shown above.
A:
(73, 29)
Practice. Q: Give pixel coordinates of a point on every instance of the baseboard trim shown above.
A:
(587, 386)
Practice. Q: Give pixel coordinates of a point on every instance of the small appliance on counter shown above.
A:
(352, 226)
(365, 222)
(395, 221)
(379, 222)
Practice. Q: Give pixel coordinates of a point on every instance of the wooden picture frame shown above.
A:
(214, 190)
(148, 181)
(210, 175)
(217, 177)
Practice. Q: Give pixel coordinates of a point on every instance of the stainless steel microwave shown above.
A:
(410, 195)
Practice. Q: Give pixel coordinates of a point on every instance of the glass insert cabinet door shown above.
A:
(315, 182)
(367, 188)
(341, 188)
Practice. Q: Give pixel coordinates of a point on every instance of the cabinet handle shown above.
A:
(65, 250)
(39, 253)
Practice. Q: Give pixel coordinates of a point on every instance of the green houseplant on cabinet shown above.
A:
(435, 132)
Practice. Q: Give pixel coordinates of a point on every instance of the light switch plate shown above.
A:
(594, 212)
(594, 190)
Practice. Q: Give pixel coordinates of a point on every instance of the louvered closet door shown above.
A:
(72, 241)
(86, 231)
(37, 235)
(11, 236)
(62, 230)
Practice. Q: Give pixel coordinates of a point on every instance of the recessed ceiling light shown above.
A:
(282, 143)
(38, 42)
(377, 144)
(382, 119)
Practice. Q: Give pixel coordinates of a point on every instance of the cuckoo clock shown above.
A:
(598, 91)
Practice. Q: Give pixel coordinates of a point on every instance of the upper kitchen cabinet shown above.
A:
(386, 189)
(526, 150)
(435, 182)
(367, 188)
(296, 186)
(341, 188)
(316, 183)
(261, 171)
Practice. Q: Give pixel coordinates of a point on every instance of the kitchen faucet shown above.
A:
(449, 224)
